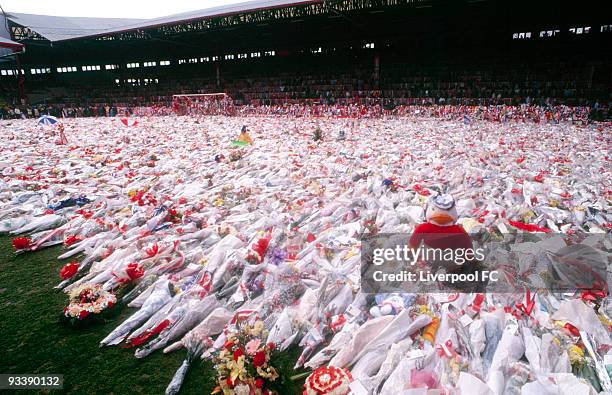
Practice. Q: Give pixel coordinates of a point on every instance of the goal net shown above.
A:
(203, 104)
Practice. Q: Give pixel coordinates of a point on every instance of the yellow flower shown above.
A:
(218, 202)
(352, 252)
(268, 373)
(527, 215)
(257, 328)
(575, 354)
(424, 310)
(236, 369)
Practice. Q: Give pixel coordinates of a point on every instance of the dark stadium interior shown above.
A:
(421, 49)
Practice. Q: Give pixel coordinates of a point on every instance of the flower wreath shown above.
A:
(88, 299)
(328, 380)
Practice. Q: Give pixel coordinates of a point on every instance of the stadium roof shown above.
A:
(58, 28)
(6, 43)
(214, 12)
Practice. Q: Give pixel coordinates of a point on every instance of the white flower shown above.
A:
(242, 389)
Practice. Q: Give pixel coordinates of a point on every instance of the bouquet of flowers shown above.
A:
(243, 363)
(195, 342)
(88, 299)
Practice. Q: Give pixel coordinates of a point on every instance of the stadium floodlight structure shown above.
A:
(203, 104)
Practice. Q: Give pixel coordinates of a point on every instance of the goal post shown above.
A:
(203, 104)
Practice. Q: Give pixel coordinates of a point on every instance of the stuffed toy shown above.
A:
(391, 304)
(441, 221)
(441, 230)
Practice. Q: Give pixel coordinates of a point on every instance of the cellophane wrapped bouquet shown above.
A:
(243, 364)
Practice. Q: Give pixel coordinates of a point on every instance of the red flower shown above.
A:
(237, 354)
(21, 243)
(69, 270)
(137, 196)
(572, 329)
(229, 382)
(153, 250)
(228, 345)
(70, 240)
(85, 213)
(182, 200)
(271, 346)
(259, 383)
(253, 258)
(261, 247)
(259, 359)
(134, 270)
(83, 314)
(529, 227)
(310, 238)
(86, 296)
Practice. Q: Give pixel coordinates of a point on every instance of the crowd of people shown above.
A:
(496, 113)
(59, 111)
(350, 109)
(497, 93)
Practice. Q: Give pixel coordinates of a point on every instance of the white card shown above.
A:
(465, 320)
(416, 354)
